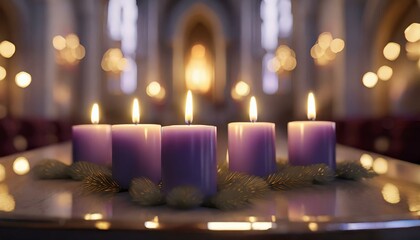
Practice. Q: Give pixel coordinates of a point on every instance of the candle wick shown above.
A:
(312, 119)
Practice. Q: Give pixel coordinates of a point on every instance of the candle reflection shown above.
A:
(7, 202)
(312, 205)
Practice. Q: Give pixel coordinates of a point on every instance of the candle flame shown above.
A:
(253, 112)
(135, 116)
(311, 106)
(94, 116)
(189, 108)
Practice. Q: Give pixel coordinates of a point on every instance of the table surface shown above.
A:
(389, 201)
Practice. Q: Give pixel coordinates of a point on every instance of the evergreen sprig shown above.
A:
(353, 171)
(81, 170)
(184, 197)
(100, 183)
(51, 169)
(145, 192)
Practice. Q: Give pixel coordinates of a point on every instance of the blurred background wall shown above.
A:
(360, 57)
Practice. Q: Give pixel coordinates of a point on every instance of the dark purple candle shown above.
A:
(252, 145)
(311, 142)
(189, 155)
(136, 151)
(252, 148)
(92, 142)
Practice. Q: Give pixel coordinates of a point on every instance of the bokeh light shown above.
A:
(155, 90)
(366, 160)
(7, 49)
(21, 166)
(242, 88)
(412, 32)
(370, 79)
(59, 42)
(3, 73)
(380, 165)
(392, 51)
(2, 172)
(23, 79)
(326, 49)
(385, 73)
(390, 193)
(337, 45)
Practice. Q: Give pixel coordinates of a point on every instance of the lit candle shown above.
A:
(136, 150)
(311, 142)
(252, 145)
(92, 142)
(189, 154)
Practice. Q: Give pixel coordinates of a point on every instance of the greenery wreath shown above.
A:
(234, 190)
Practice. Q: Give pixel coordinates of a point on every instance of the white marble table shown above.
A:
(386, 206)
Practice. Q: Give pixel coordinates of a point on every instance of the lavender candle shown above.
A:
(136, 150)
(311, 142)
(251, 146)
(92, 142)
(189, 155)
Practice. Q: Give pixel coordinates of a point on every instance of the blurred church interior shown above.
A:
(361, 58)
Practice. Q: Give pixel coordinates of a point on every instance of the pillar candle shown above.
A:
(311, 142)
(136, 150)
(251, 145)
(189, 155)
(92, 142)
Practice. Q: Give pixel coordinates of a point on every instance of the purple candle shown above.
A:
(189, 155)
(92, 142)
(311, 142)
(252, 146)
(136, 150)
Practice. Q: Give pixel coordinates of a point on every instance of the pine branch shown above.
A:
(51, 169)
(80, 170)
(146, 193)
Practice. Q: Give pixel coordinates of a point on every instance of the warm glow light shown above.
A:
(370, 79)
(392, 51)
(152, 224)
(23, 79)
(59, 42)
(337, 45)
(242, 88)
(2, 73)
(229, 226)
(94, 115)
(311, 107)
(380, 166)
(239, 226)
(103, 225)
(189, 108)
(2, 173)
(72, 40)
(7, 49)
(198, 73)
(366, 160)
(153, 89)
(324, 40)
(385, 73)
(7, 202)
(253, 111)
(390, 193)
(136, 111)
(313, 226)
(412, 32)
(21, 166)
(93, 216)
(198, 50)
